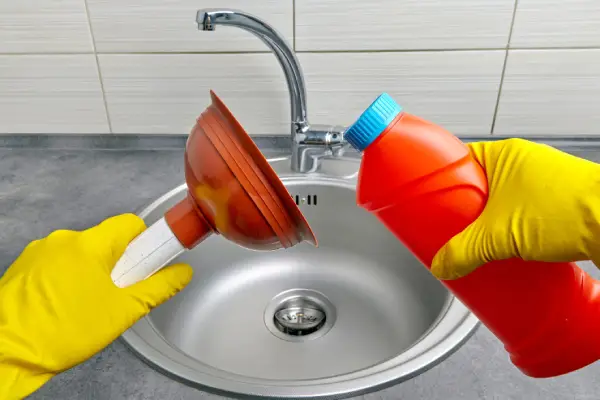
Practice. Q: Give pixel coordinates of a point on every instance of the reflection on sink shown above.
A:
(357, 313)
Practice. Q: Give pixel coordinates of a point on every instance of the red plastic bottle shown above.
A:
(423, 185)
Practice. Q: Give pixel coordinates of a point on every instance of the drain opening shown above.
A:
(299, 320)
(299, 317)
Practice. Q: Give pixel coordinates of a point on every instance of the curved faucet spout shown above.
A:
(309, 144)
(208, 19)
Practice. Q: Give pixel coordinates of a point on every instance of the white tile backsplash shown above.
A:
(550, 92)
(456, 89)
(44, 26)
(398, 25)
(165, 93)
(170, 25)
(66, 66)
(51, 94)
(557, 23)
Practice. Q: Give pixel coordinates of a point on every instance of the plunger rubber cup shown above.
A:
(232, 191)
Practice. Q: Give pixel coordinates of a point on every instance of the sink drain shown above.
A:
(299, 314)
(300, 317)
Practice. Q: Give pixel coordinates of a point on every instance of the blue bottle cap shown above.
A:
(372, 122)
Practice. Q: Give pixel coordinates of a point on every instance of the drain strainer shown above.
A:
(299, 314)
(300, 319)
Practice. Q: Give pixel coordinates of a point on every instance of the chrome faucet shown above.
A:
(309, 143)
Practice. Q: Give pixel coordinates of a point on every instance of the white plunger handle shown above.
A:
(150, 251)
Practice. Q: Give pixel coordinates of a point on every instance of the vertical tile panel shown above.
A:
(51, 94)
(44, 26)
(164, 93)
(456, 89)
(550, 92)
(557, 23)
(170, 25)
(397, 25)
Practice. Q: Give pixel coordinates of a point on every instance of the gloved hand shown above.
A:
(59, 306)
(543, 205)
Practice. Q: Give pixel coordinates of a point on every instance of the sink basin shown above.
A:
(356, 314)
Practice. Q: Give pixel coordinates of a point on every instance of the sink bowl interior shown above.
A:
(384, 299)
(377, 300)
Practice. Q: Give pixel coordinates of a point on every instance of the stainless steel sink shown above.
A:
(354, 315)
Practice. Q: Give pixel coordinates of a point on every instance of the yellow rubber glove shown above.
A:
(59, 306)
(543, 205)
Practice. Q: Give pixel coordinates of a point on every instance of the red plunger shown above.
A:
(232, 191)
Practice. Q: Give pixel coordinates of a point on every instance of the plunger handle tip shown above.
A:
(148, 253)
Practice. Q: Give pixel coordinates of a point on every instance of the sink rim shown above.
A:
(453, 327)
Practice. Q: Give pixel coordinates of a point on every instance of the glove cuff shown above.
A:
(18, 381)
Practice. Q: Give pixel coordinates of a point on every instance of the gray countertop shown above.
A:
(43, 190)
